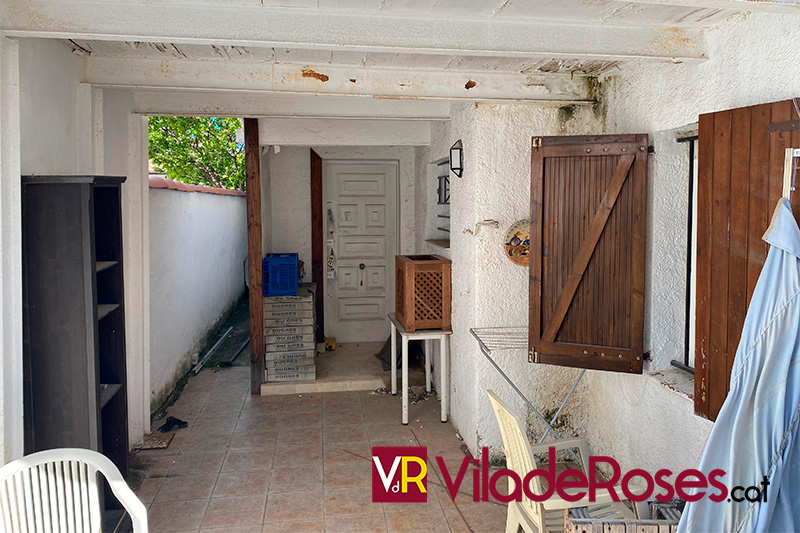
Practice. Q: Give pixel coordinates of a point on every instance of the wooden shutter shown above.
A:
(588, 251)
(740, 179)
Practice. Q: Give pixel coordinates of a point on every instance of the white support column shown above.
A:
(98, 158)
(136, 239)
(11, 396)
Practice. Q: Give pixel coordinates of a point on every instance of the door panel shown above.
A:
(361, 217)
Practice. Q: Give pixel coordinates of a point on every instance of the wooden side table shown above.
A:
(428, 335)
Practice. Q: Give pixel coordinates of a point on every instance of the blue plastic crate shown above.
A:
(280, 274)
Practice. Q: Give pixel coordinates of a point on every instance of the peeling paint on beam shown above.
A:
(332, 30)
(250, 104)
(335, 80)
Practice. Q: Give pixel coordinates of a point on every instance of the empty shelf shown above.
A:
(441, 243)
(107, 391)
(103, 265)
(104, 309)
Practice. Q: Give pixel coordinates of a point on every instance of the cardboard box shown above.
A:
(290, 346)
(289, 356)
(277, 339)
(289, 330)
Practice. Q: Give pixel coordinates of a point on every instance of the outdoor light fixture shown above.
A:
(457, 158)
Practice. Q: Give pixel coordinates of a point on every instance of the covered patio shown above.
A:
(297, 463)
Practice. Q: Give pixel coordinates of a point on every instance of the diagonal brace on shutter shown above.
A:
(587, 247)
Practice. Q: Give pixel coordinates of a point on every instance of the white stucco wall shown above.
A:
(488, 289)
(749, 63)
(55, 127)
(198, 243)
(290, 194)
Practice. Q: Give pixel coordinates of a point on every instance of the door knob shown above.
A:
(362, 266)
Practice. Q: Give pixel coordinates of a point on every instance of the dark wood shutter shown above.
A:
(740, 179)
(588, 229)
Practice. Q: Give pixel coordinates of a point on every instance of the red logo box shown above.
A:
(400, 474)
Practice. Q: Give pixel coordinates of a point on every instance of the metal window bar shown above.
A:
(516, 338)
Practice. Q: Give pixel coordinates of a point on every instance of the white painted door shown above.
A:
(360, 225)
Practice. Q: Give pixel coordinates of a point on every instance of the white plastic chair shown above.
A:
(546, 516)
(58, 491)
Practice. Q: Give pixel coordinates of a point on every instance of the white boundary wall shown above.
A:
(198, 245)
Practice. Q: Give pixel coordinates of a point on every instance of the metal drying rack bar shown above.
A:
(516, 338)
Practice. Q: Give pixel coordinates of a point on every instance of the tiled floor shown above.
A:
(297, 463)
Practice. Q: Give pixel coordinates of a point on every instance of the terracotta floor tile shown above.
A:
(336, 418)
(239, 460)
(300, 436)
(231, 512)
(295, 479)
(257, 423)
(218, 425)
(186, 488)
(196, 464)
(350, 501)
(295, 420)
(148, 489)
(221, 409)
(200, 442)
(252, 483)
(482, 517)
(343, 433)
(429, 521)
(251, 439)
(235, 529)
(307, 526)
(157, 466)
(176, 516)
(347, 452)
(287, 456)
(294, 506)
(356, 524)
(348, 474)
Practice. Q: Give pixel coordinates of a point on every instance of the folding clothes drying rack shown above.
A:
(516, 338)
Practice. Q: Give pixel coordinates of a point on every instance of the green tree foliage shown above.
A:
(198, 150)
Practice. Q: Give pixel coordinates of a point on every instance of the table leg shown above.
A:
(394, 357)
(428, 361)
(443, 384)
(405, 378)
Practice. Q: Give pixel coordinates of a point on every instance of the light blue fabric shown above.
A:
(756, 432)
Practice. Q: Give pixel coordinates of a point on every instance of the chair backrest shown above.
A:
(519, 457)
(58, 491)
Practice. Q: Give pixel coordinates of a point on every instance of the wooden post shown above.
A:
(252, 173)
(318, 243)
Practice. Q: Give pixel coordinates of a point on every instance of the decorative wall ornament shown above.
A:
(517, 243)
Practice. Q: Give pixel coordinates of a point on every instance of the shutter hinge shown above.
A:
(536, 142)
(533, 356)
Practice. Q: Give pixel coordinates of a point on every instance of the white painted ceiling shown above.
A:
(619, 13)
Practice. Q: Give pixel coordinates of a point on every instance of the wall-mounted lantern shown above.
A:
(457, 158)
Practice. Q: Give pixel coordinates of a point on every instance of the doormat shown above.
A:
(156, 442)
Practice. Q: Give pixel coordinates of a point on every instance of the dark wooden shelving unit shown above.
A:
(73, 316)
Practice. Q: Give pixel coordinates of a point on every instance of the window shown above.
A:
(739, 181)
(687, 363)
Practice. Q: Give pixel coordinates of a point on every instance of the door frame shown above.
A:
(318, 224)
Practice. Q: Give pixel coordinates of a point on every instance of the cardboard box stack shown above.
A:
(289, 324)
